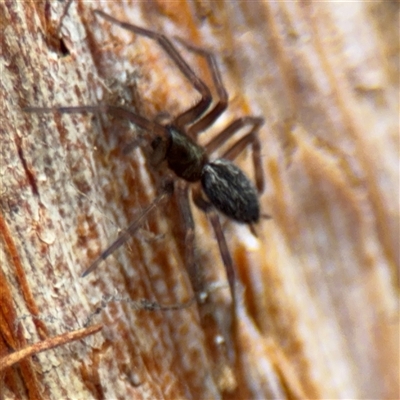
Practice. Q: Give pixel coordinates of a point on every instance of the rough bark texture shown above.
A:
(320, 311)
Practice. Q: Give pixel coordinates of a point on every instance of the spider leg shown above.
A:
(198, 109)
(182, 192)
(251, 138)
(116, 111)
(225, 253)
(207, 120)
(226, 320)
(128, 232)
(207, 208)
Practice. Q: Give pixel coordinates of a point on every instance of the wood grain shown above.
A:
(320, 312)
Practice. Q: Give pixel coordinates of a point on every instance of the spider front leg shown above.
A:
(207, 120)
(116, 111)
(198, 109)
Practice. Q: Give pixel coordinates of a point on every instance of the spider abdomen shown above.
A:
(230, 191)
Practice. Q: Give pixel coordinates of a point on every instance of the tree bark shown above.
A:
(319, 317)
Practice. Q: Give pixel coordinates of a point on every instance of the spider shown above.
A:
(221, 185)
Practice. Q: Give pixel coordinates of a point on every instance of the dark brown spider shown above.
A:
(223, 185)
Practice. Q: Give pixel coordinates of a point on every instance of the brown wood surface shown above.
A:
(320, 311)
